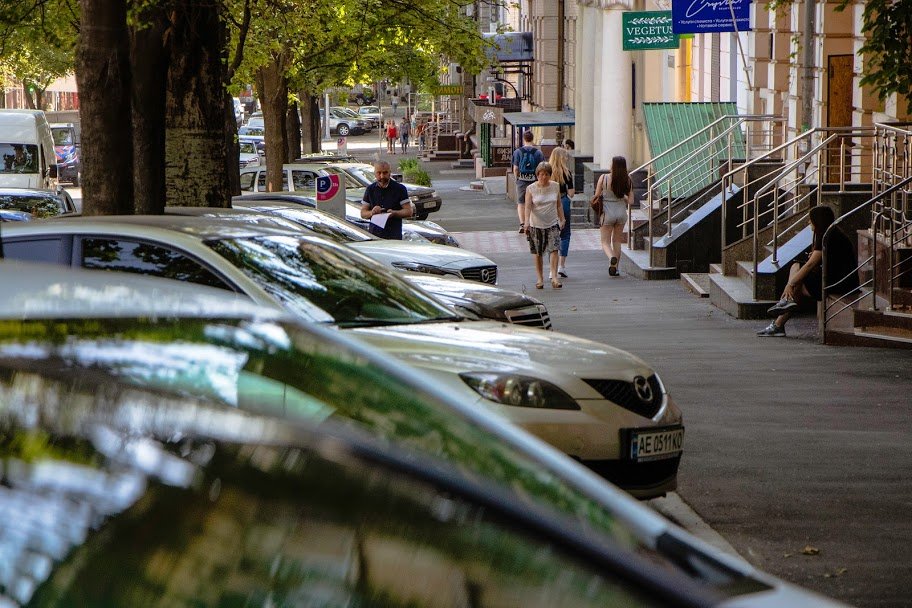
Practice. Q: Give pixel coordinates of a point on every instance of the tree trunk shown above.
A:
(310, 123)
(272, 88)
(196, 145)
(150, 75)
(293, 125)
(103, 78)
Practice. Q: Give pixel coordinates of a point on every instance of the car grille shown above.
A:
(628, 394)
(484, 274)
(530, 316)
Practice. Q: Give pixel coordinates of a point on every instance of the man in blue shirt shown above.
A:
(525, 160)
(385, 196)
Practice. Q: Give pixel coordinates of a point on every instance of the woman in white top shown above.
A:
(615, 188)
(544, 220)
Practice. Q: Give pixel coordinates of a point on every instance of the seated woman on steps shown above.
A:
(805, 280)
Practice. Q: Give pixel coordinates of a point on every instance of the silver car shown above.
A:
(596, 403)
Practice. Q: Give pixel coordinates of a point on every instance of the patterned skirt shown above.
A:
(543, 240)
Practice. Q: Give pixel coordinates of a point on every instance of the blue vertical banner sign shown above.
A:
(702, 16)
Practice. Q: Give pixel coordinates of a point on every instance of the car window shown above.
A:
(365, 175)
(49, 250)
(323, 224)
(247, 147)
(62, 137)
(39, 205)
(261, 180)
(247, 180)
(353, 291)
(303, 180)
(144, 258)
(19, 158)
(351, 182)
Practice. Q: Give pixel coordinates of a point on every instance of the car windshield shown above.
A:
(256, 131)
(62, 136)
(323, 224)
(347, 112)
(351, 290)
(248, 147)
(369, 110)
(365, 175)
(37, 204)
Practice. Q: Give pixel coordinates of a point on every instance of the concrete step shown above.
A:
(735, 295)
(696, 282)
(463, 163)
(745, 270)
(635, 262)
(858, 337)
(477, 185)
(715, 269)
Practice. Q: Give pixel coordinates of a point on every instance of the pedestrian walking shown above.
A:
(615, 189)
(420, 132)
(394, 101)
(569, 145)
(391, 135)
(563, 175)
(405, 129)
(526, 159)
(544, 220)
(385, 196)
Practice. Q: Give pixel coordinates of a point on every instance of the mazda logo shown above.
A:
(487, 275)
(642, 388)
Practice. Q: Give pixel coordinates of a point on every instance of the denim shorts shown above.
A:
(614, 213)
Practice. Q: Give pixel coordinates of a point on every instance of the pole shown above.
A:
(325, 116)
(810, 28)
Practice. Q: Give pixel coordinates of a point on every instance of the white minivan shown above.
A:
(26, 150)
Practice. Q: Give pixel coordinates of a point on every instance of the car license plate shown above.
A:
(655, 444)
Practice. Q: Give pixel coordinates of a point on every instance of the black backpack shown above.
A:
(527, 163)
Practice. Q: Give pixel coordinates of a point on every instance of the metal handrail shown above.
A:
(672, 175)
(806, 159)
(875, 221)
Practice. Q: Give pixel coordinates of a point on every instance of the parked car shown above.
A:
(249, 154)
(404, 255)
(66, 149)
(371, 112)
(255, 121)
(412, 230)
(344, 124)
(472, 298)
(36, 203)
(176, 420)
(26, 150)
(596, 403)
(303, 178)
(370, 122)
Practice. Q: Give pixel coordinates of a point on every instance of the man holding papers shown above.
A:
(385, 203)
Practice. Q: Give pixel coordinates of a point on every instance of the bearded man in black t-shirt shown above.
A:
(385, 196)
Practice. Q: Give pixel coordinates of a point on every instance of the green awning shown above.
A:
(668, 124)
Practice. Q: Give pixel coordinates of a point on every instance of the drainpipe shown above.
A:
(807, 101)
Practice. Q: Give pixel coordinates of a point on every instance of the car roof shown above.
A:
(53, 291)
(27, 192)
(204, 228)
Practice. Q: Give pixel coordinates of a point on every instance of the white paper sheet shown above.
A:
(380, 219)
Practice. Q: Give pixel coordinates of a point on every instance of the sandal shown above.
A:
(522, 228)
(556, 284)
(540, 285)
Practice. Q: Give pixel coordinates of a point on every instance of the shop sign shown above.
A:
(701, 16)
(447, 89)
(647, 30)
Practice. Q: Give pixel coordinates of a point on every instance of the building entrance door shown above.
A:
(839, 114)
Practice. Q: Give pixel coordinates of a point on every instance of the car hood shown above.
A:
(470, 292)
(441, 256)
(416, 190)
(490, 346)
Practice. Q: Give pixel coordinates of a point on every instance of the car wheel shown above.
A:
(342, 130)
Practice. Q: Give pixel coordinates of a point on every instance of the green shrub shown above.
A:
(417, 176)
(408, 164)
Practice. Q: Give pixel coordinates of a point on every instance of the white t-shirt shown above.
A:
(544, 205)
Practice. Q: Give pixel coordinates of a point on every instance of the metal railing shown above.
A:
(694, 164)
(820, 158)
(887, 222)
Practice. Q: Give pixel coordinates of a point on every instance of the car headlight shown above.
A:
(427, 268)
(519, 391)
(413, 199)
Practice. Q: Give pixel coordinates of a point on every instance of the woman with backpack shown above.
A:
(615, 189)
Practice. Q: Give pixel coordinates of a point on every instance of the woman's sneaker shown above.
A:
(772, 330)
(782, 306)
